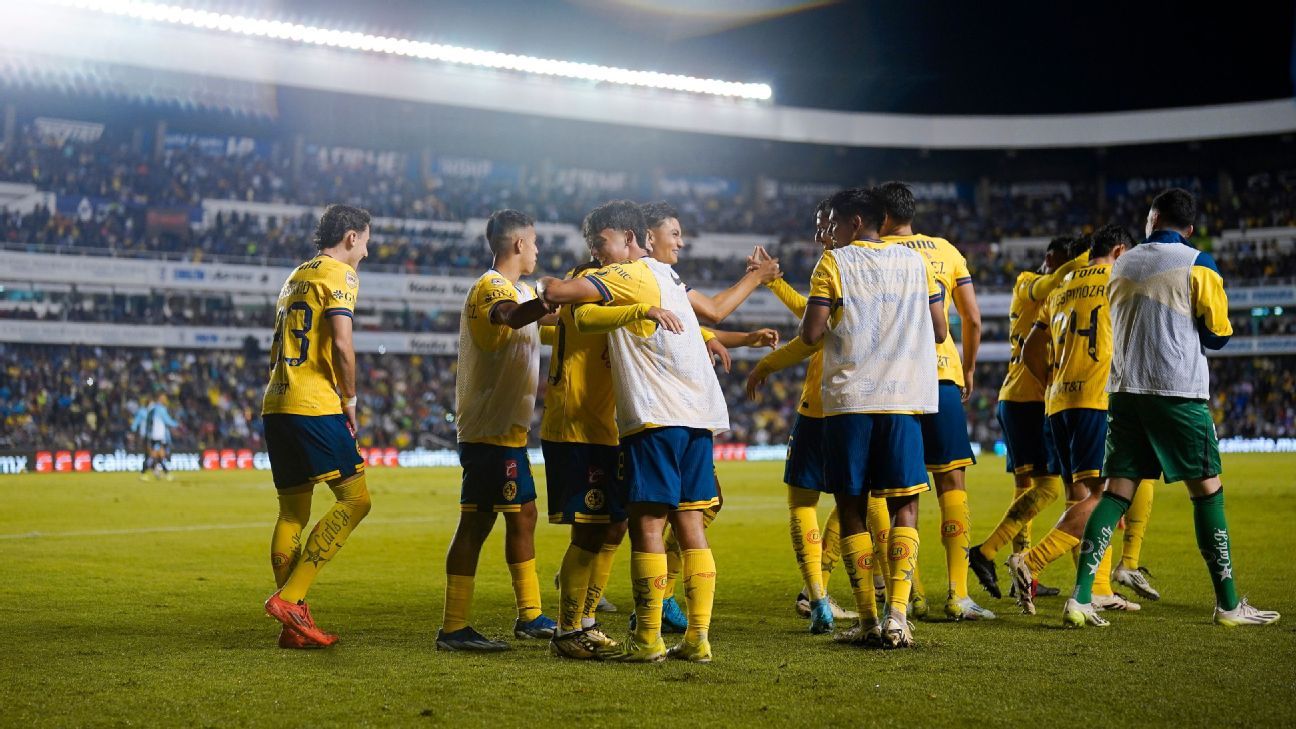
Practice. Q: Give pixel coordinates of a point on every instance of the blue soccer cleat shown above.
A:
(673, 618)
(821, 616)
(539, 627)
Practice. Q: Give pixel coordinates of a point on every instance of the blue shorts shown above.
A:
(805, 461)
(582, 483)
(307, 449)
(879, 454)
(1028, 438)
(495, 478)
(1080, 436)
(672, 466)
(945, 437)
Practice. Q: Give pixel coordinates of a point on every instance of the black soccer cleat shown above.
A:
(984, 570)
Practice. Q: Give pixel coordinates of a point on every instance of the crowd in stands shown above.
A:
(54, 397)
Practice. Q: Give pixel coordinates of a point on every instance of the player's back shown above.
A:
(1019, 384)
(951, 271)
(498, 366)
(1079, 322)
(580, 406)
(302, 377)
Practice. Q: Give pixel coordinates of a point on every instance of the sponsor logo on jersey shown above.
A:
(352, 280)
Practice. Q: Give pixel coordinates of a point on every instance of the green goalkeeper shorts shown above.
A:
(1151, 435)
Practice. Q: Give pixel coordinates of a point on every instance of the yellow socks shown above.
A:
(600, 573)
(1054, 544)
(1022, 539)
(574, 586)
(526, 589)
(328, 536)
(807, 542)
(1102, 580)
(879, 526)
(857, 555)
(647, 579)
(674, 561)
(904, 565)
(458, 602)
(699, 591)
(1136, 522)
(1044, 491)
(955, 522)
(831, 548)
(285, 541)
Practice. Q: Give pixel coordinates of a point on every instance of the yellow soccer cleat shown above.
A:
(699, 652)
(632, 651)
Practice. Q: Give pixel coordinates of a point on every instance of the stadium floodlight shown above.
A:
(280, 30)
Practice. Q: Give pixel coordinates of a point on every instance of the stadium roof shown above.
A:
(916, 57)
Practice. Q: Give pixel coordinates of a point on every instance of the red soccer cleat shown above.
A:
(297, 618)
(290, 639)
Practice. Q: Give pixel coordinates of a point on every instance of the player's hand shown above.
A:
(763, 338)
(760, 255)
(967, 384)
(768, 270)
(542, 289)
(352, 425)
(755, 380)
(718, 350)
(665, 319)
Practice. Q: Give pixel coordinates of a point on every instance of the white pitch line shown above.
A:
(189, 528)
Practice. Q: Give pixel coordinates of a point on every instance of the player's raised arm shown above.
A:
(556, 291)
(716, 308)
(759, 338)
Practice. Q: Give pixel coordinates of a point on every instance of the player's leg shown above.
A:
(329, 534)
(578, 497)
(163, 456)
(803, 475)
(903, 555)
(614, 534)
(879, 526)
(948, 453)
(285, 547)
(1129, 572)
(857, 558)
(895, 473)
(519, 552)
(699, 496)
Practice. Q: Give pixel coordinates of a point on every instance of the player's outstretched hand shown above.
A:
(763, 338)
(718, 350)
(665, 319)
(755, 380)
(768, 270)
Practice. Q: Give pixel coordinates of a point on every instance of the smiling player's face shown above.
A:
(667, 240)
(611, 246)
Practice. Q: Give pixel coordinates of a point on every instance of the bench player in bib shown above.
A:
(309, 416)
(877, 309)
(495, 390)
(668, 406)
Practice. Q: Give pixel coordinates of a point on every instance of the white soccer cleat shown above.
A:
(803, 605)
(1137, 581)
(1115, 601)
(967, 609)
(1078, 615)
(839, 612)
(1245, 614)
(1023, 581)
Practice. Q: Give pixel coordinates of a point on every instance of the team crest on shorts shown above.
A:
(510, 490)
(594, 499)
(951, 528)
(510, 468)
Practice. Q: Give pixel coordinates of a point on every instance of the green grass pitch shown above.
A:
(140, 603)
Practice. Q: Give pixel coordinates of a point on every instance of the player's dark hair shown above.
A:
(617, 215)
(1176, 208)
(656, 213)
(865, 202)
(823, 206)
(1080, 244)
(1061, 246)
(1108, 237)
(336, 222)
(899, 200)
(502, 227)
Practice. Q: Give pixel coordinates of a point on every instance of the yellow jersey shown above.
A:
(580, 406)
(1078, 320)
(493, 383)
(302, 378)
(1029, 293)
(811, 404)
(951, 271)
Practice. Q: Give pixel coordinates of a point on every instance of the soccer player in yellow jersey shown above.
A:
(1076, 321)
(947, 449)
(1031, 457)
(495, 389)
(876, 308)
(669, 405)
(309, 416)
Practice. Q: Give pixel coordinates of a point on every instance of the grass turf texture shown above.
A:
(140, 603)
